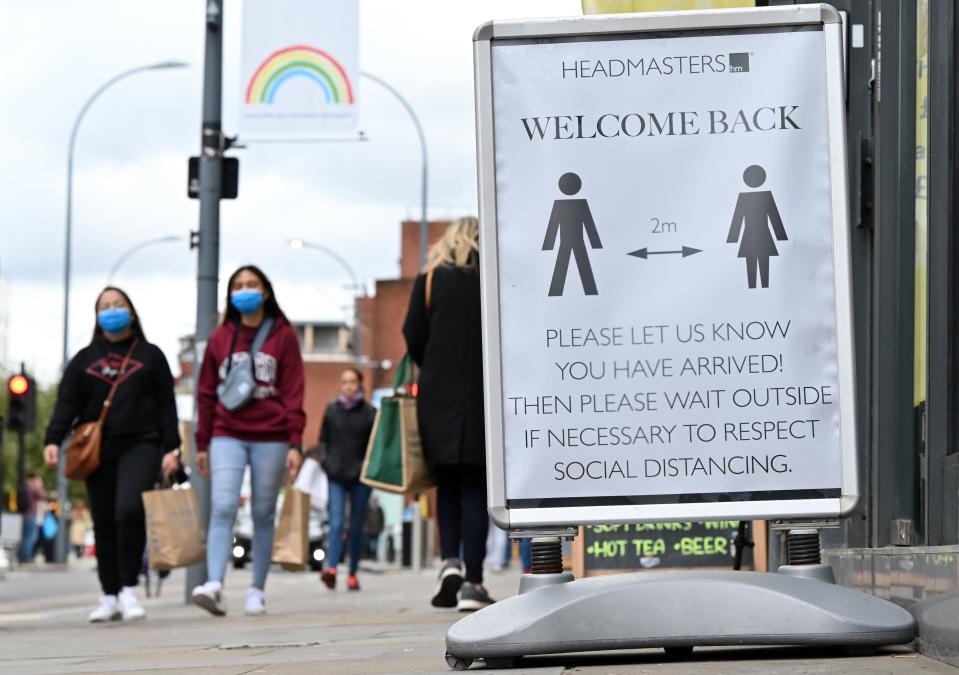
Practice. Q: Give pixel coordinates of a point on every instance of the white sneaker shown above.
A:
(130, 605)
(255, 602)
(109, 610)
(209, 596)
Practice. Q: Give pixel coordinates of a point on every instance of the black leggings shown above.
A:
(116, 505)
(461, 509)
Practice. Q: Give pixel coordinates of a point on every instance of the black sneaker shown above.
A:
(473, 597)
(448, 584)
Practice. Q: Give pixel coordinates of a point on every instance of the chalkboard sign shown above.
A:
(657, 545)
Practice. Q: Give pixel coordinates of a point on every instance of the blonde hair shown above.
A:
(457, 246)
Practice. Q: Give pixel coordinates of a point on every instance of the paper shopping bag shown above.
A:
(394, 457)
(291, 542)
(176, 536)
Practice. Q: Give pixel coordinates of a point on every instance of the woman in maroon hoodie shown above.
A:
(262, 427)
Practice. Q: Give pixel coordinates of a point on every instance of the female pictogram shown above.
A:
(757, 210)
(569, 218)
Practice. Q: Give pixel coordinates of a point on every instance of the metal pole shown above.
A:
(133, 249)
(424, 229)
(424, 226)
(424, 235)
(21, 469)
(3, 471)
(4, 561)
(61, 543)
(208, 248)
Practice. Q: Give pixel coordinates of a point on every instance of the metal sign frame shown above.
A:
(605, 27)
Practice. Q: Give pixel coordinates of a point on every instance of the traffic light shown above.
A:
(21, 403)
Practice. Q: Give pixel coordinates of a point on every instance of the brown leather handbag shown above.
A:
(83, 449)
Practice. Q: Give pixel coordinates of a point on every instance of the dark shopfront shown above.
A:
(902, 543)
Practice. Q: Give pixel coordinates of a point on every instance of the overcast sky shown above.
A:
(130, 172)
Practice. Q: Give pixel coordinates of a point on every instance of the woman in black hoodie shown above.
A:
(344, 436)
(139, 435)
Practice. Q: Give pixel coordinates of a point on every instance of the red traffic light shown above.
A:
(18, 385)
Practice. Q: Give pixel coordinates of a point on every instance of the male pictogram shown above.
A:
(568, 219)
(757, 210)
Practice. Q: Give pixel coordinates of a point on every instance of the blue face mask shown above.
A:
(114, 320)
(246, 301)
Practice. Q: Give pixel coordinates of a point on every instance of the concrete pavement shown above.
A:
(386, 628)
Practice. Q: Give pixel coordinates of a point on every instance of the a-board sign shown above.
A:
(662, 545)
(665, 256)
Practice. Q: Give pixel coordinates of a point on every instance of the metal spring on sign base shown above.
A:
(547, 555)
(803, 548)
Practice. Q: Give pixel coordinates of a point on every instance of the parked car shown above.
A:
(243, 531)
(243, 539)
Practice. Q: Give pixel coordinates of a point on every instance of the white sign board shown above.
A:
(665, 278)
(299, 67)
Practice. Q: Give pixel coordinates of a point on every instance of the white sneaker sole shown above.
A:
(114, 617)
(138, 616)
(471, 605)
(209, 604)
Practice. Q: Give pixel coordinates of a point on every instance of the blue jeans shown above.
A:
(228, 459)
(359, 498)
(28, 540)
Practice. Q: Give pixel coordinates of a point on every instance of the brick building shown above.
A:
(382, 314)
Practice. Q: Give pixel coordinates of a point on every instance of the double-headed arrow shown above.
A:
(644, 253)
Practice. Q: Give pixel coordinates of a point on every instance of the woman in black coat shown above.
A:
(344, 435)
(444, 336)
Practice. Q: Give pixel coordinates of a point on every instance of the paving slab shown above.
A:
(388, 627)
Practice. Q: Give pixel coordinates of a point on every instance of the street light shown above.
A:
(60, 550)
(300, 244)
(163, 65)
(133, 249)
(424, 232)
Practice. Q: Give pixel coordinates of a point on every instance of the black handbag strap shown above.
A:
(262, 333)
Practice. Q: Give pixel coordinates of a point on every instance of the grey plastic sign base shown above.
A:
(678, 610)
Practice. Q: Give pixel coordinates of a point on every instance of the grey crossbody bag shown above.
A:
(239, 385)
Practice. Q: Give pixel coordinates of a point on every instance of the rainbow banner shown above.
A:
(299, 61)
(298, 69)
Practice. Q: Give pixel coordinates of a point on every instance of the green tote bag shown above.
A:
(394, 457)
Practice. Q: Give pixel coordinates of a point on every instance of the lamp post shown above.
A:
(137, 247)
(299, 245)
(60, 550)
(163, 65)
(424, 232)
